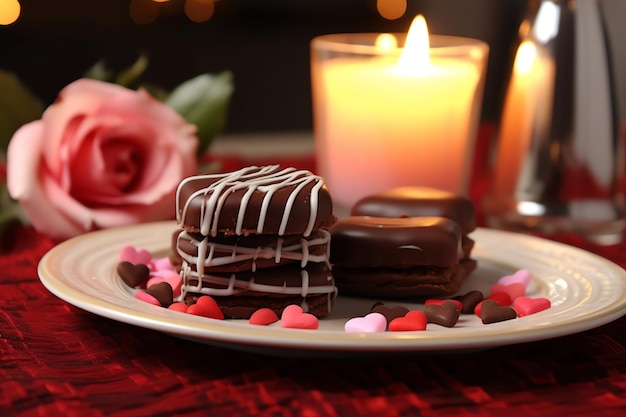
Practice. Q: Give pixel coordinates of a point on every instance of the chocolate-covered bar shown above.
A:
(398, 256)
(419, 202)
(393, 242)
(263, 200)
(254, 238)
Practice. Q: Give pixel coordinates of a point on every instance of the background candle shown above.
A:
(384, 120)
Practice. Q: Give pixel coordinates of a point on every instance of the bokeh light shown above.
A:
(9, 11)
(199, 10)
(143, 12)
(391, 9)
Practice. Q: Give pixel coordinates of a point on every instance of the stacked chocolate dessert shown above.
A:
(255, 238)
(405, 242)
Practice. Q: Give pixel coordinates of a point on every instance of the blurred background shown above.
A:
(264, 43)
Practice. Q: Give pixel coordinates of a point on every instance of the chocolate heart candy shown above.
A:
(446, 314)
(162, 292)
(133, 275)
(492, 312)
(390, 313)
(470, 301)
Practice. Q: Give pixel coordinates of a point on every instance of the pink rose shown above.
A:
(101, 156)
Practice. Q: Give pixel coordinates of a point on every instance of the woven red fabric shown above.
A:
(57, 360)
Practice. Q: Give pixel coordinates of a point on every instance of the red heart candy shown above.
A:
(514, 290)
(180, 307)
(206, 306)
(526, 305)
(294, 317)
(263, 317)
(413, 320)
(440, 301)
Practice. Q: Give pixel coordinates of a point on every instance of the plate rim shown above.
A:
(229, 332)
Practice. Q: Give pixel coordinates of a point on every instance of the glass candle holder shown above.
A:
(383, 119)
(559, 161)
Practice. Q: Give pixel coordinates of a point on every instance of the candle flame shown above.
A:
(525, 57)
(415, 58)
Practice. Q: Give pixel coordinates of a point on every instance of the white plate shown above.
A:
(585, 290)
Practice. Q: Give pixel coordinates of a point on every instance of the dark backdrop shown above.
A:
(265, 43)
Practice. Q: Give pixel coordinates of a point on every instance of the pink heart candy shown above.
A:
(371, 323)
(171, 277)
(293, 317)
(135, 255)
(263, 317)
(161, 264)
(514, 290)
(526, 305)
(520, 277)
(148, 298)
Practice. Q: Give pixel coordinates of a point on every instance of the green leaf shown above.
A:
(99, 71)
(18, 106)
(203, 101)
(155, 91)
(130, 75)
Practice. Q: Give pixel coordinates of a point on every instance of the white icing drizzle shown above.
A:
(297, 251)
(268, 180)
(229, 286)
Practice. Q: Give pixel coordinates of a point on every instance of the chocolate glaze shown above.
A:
(417, 202)
(264, 200)
(393, 242)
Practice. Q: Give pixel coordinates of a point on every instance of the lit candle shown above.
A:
(527, 110)
(383, 121)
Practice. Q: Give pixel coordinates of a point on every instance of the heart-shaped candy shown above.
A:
(446, 314)
(521, 276)
(133, 275)
(135, 255)
(492, 312)
(147, 298)
(263, 317)
(390, 313)
(171, 277)
(514, 290)
(293, 317)
(162, 292)
(440, 301)
(161, 264)
(371, 323)
(526, 305)
(206, 306)
(180, 307)
(413, 320)
(470, 300)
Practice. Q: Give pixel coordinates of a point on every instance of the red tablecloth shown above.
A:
(57, 360)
